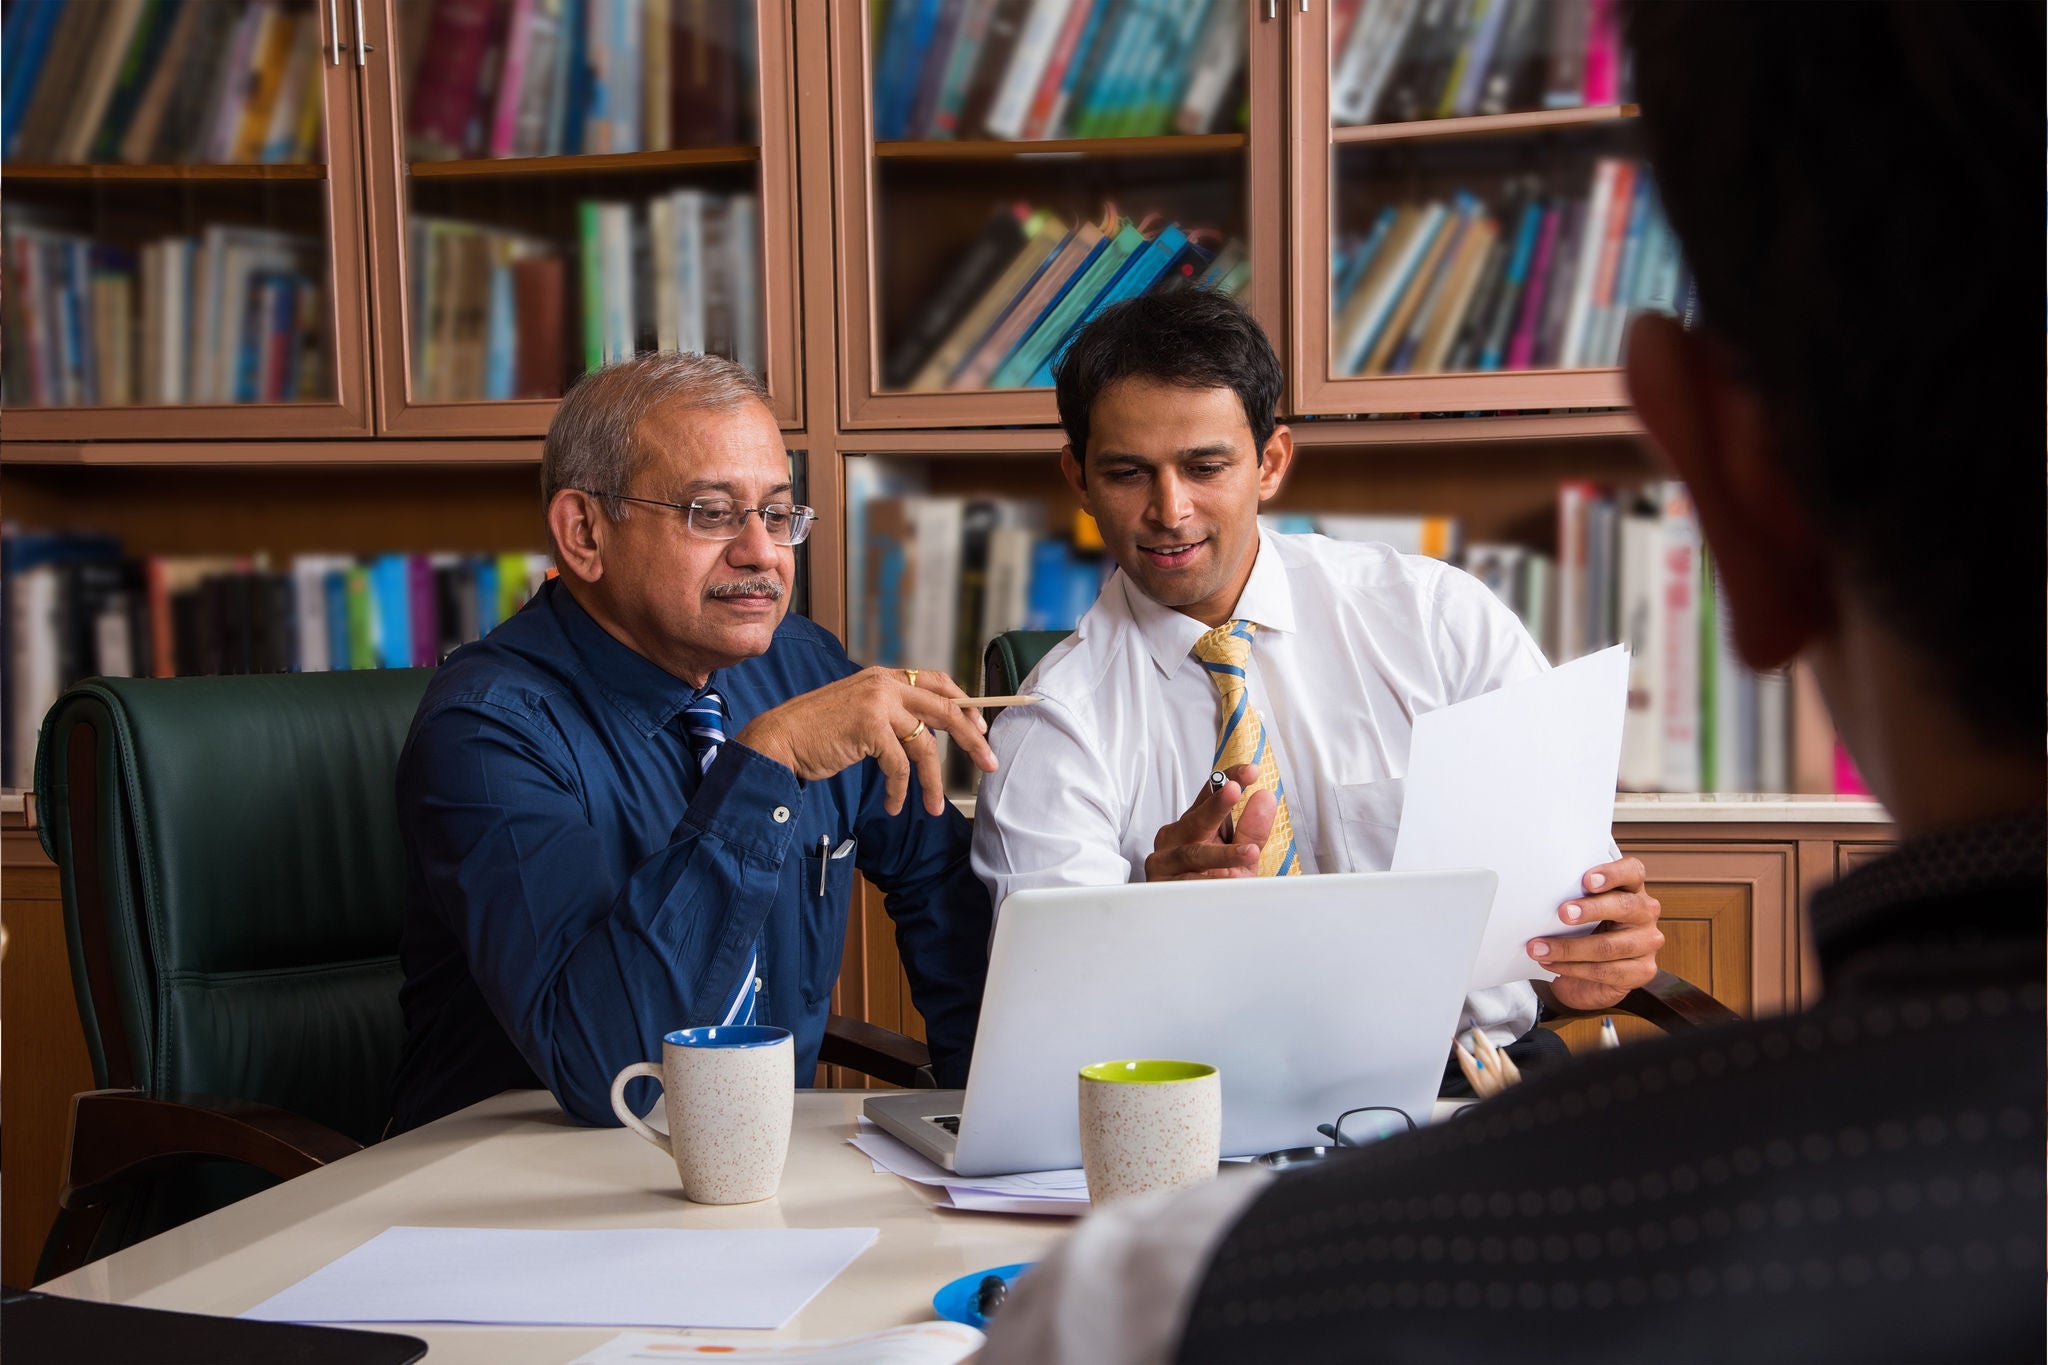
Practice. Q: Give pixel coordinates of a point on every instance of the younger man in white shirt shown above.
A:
(1296, 664)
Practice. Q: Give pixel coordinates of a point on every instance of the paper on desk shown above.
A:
(923, 1343)
(899, 1158)
(1520, 780)
(642, 1277)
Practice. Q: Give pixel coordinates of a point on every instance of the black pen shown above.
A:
(1226, 831)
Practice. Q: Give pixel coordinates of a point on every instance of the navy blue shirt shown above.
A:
(575, 890)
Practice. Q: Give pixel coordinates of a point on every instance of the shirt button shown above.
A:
(781, 814)
(759, 985)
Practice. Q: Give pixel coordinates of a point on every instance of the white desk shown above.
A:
(516, 1162)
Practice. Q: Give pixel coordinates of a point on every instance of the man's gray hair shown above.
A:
(594, 441)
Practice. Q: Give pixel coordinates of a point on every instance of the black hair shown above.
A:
(1193, 338)
(1857, 188)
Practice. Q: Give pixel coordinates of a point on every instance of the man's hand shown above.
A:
(1193, 847)
(1594, 971)
(875, 714)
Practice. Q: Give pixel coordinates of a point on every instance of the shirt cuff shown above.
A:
(748, 800)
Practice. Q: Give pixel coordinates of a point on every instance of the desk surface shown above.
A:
(515, 1162)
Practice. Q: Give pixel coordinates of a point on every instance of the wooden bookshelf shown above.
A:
(1192, 144)
(1482, 125)
(33, 171)
(622, 163)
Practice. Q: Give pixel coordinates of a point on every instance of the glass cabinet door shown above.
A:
(564, 183)
(1476, 228)
(1010, 167)
(180, 219)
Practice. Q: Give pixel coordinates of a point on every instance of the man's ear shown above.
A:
(1716, 432)
(578, 527)
(1076, 477)
(1274, 459)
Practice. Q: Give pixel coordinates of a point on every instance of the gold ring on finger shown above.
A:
(911, 674)
(913, 734)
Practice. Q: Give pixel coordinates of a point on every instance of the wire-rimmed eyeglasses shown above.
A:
(786, 523)
(1353, 1128)
(1366, 1125)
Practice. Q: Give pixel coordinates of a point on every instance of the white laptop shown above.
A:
(1311, 995)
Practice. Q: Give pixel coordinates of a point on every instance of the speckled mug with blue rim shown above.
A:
(730, 1093)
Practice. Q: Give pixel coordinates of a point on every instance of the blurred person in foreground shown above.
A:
(1858, 414)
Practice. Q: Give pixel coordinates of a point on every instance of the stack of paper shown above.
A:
(1062, 1194)
(923, 1343)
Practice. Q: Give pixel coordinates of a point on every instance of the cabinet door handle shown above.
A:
(363, 48)
(1272, 9)
(334, 30)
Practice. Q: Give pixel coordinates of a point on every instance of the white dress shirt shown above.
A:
(1354, 641)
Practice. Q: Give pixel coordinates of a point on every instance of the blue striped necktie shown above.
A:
(704, 728)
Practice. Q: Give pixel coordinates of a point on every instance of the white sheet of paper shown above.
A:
(631, 1277)
(1520, 780)
(923, 1343)
(899, 1158)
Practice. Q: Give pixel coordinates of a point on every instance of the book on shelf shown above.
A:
(233, 315)
(522, 78)
(76, 607)
(1402, 61)
(1532, 279)
(1001, 317)
(1030, 70)
(161, 81)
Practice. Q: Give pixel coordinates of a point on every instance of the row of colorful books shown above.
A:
(568, 77)
(1633, 569)
(161, 81)
(1031, 69)
(77, 607)
(1537, 281)
(1401, 61)
(679, 272)
(233, 315)
(1002, 314)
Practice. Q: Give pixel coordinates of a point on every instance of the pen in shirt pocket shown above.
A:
(827, 855)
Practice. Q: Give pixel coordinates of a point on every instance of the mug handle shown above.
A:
(627, 1116)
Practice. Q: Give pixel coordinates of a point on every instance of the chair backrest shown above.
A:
(234, 883)
(1010, 657)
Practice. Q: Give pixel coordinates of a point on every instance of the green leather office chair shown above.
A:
(233, 885)
(1669, 1002)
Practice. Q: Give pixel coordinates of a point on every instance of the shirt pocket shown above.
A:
(1369, 816)
(825, 915)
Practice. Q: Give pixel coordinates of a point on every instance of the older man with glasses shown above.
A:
(638, 806)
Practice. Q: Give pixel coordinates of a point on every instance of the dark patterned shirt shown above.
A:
(1862, 1181)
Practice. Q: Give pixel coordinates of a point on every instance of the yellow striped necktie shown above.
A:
(1241, 738)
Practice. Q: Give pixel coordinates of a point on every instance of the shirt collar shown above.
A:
(1267, 601)
(646, 693)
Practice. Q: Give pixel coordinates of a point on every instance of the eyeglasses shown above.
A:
(723, 519)
(1354, 1128)
(1363, 1127)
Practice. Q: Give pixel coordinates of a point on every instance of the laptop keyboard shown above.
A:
(949, 1122)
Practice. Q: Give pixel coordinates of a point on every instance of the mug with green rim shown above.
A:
(1149, 1124)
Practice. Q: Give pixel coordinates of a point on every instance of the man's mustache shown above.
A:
(747, 587)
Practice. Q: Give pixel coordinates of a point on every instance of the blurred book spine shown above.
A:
(1002, 315)
(161, 82)
(1531, 278)
(1400, 61)
(77, 607)
(1030, 70)
(234, 315)
(519, 78)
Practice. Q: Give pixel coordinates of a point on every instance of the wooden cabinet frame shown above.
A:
(349, 411)
(399, 413)
(1313, 387)
(862, 403)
